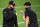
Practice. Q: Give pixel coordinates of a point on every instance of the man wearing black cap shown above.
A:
(10, 16)
(30, 17)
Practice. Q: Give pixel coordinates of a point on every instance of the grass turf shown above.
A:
(35, 7)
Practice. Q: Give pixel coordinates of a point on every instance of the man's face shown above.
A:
(11, 6)
(26, 6)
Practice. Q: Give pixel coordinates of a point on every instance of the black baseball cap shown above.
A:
(28, 4)
(12, 3)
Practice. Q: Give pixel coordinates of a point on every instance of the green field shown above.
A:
(20, 6)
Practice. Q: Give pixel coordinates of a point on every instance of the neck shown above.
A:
(28, 8)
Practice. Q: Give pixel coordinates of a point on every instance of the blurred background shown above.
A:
(20, 6)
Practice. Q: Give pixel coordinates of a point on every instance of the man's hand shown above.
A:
(23, 15)
(21, 11)
(16, 14)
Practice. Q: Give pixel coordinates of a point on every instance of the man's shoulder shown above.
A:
(32, 11)
(15, 11)
(5, 9)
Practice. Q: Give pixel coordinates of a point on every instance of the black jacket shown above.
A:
(9, 18)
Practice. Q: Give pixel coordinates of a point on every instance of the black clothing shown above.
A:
(32, 17)
(9, 18)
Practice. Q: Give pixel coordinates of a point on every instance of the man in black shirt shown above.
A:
(30, 17)
(10, 16)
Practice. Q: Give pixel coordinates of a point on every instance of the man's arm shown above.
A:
(27, 18)
(23, 15)
(15, 12)
(27, 21)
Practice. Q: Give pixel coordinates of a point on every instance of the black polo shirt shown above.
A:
(32, 15)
